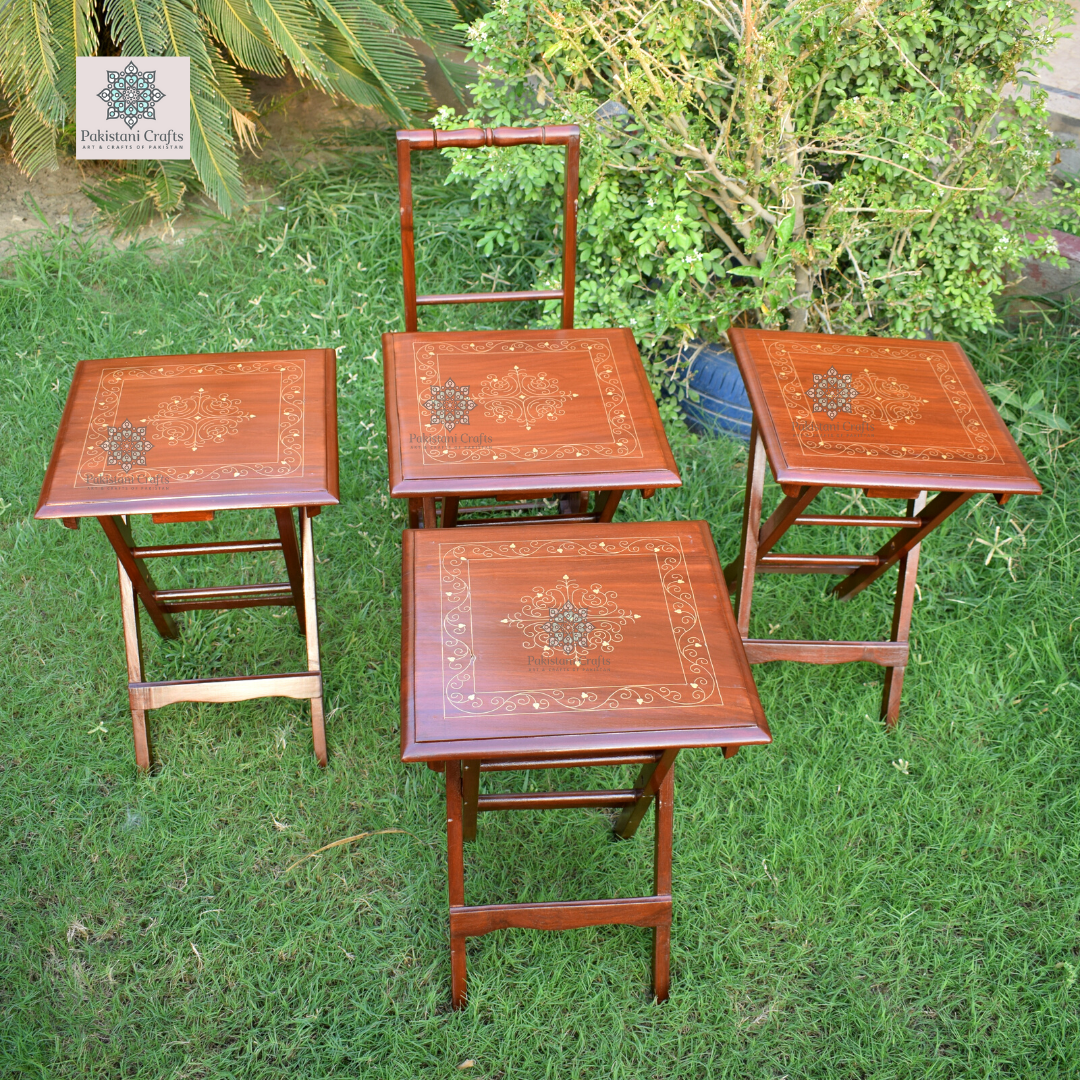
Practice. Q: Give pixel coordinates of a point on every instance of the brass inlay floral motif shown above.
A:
(526, 400)
(523, 398)
(198, 419)
(883, 400)
(126, 446)
(553, 623)
(572, 619)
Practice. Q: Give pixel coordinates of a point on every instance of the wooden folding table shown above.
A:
(549, 647)
(893, 417)
(180, 438)
(522, 415)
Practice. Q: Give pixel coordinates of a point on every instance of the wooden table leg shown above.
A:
(740, 574)
(428, 517)
(414, 513)
(607, 502)
(129, 610)
(470, 798)
(944, 504)
(450, 511)
(287, 532)
(455, 870)
(662, 884)
(311, 633)
(648, 783)
(901, 620)
(118, 530)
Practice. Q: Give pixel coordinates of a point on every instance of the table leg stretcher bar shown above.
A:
(654, 787)
(136, 584)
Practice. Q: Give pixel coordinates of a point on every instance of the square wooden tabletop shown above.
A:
(586, 638)
(520, 411)
(879, 412)
(203, 432)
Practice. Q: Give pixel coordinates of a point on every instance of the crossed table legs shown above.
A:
(136, 583)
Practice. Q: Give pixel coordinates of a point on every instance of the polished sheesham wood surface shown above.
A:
(552, 646)
(207, 432)
(878, 413)
(521, 411)
(549, 639)
(896, 418)
(180, 438)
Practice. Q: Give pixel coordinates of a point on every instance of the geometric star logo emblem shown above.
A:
(131, 95)
(832, 393)
(126, 446)
(449, 405)
(568, 628)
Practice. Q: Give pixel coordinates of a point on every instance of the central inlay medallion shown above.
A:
(571, 619)
(199, 419)
(526, 399)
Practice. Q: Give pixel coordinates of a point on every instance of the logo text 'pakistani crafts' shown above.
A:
(132, 107)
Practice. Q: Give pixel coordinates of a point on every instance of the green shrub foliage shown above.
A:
(849, 166)
(353, 48)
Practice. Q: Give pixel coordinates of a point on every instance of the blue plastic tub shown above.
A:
(722, 406)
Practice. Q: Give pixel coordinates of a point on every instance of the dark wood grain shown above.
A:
(920, 418)
(552, 409)
(225, 431)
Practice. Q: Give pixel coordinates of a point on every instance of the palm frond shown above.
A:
(359, 49)
(33, 140)
(428, 20)
(169, 185)
(134, 27)
(213, 152)
(234, 24)
(295, 30)
(75, 35)
(389, 60)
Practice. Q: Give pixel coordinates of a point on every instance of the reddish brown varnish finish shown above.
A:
(180, 438)
(900, 419)
(563, 411)
(555, 646)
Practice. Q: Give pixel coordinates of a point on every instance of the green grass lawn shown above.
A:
(848, 902)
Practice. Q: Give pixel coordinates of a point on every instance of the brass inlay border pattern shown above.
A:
(881, 399)
(222, 415)
(460, 693)
(624, 442)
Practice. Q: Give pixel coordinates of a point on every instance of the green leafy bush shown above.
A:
(846, 166)
(353, 48)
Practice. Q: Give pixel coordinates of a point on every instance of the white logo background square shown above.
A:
(148, 99)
